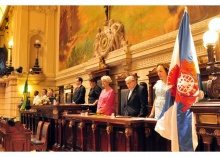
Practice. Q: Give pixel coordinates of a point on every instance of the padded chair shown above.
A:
(38, 133)
(123, 97)
(41, 145)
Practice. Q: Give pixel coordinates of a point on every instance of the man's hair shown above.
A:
(131, 77)
(80, 79)
(93, 80)
(45, 90)
(36, 92)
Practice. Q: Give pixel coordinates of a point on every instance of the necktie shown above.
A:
(76, 89)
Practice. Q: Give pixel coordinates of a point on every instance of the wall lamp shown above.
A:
(211, 40)
(36, 69)
(10, 68)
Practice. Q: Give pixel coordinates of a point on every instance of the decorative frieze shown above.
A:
(149, 61)
(43, 9)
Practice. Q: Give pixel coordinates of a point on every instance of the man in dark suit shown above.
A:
(79, 92)
(136, 101)
(94, 94)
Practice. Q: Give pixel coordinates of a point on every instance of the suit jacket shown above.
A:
(94, 94)
(136, 105)
(79, 95)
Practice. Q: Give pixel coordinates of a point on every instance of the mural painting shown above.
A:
(80, 25)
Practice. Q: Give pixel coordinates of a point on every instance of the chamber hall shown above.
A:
(109, 78)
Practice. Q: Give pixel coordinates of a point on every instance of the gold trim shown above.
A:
(217, 132)
(208, 119)
(109, 129)
(147, 132)
(81, 125)
(202, 131)
(94, 127)
(128, 132)
(55, 111)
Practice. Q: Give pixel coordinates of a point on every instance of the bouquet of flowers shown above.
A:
(43, 101)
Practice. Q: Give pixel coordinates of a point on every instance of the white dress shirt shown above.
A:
(35, 99)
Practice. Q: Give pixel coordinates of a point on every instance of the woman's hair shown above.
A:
(165, 66)
(106, 78)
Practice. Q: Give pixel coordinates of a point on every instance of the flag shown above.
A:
(177, 122)
(25, 95)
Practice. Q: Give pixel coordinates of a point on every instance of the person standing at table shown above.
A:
(160, 91)
(50, 96)
(106, 102)
(44, 93)
(136, 101)
(79, 92)
(36, 96)
(94, 94)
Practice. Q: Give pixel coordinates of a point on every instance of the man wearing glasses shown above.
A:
(136, 99)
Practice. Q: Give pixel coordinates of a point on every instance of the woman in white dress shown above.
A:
(160, 91)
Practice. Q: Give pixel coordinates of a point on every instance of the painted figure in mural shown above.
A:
(63, 32)
(173, 22)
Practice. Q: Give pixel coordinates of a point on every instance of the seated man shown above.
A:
(136, 100)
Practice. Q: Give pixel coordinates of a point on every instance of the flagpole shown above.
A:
(25, 96)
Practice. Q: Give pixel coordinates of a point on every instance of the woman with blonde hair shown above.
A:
(106, 102)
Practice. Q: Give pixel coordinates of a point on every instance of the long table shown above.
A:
(109, 133)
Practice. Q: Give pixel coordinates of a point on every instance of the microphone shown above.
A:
(11, 123)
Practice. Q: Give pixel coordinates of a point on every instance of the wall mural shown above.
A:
(79, 26)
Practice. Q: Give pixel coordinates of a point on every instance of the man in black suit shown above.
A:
(136, 101)
(79, 92)
(94, 94)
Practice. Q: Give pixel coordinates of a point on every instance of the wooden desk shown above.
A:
(103, 133)
(53, 114)
(14, 138)
(207, 125)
